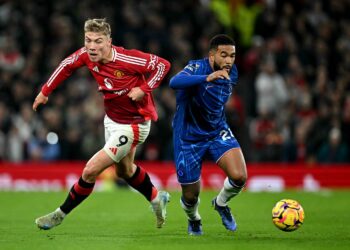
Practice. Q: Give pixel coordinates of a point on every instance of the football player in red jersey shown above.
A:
(126, 78)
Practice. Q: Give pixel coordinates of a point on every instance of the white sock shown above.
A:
(191, 211)
(61, 212)
(229, 191)
(156, 199)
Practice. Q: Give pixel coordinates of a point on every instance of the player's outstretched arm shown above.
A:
(184, 80)
(40, 99)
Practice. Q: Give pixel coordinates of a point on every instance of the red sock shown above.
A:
(142, 183)
(79, 192)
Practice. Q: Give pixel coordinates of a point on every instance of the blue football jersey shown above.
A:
(200, 104)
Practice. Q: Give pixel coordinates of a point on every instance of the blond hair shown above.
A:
(98, 26)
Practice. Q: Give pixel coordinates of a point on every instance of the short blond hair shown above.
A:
(98, 25)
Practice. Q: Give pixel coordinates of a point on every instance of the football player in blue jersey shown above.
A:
(200, 130)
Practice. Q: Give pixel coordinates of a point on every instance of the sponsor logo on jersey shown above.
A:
(108, 83)
(95, 69)
(119, 73)
(152, 62)
(121, 92)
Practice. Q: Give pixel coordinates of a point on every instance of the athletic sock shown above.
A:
(191, 209)
(142, 183)
(229, 191)
(79, 192)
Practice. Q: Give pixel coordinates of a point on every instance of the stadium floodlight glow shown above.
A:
(52, 138)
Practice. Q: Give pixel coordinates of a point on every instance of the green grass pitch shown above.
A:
(121, 219)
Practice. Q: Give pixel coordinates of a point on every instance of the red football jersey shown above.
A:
(128, 69)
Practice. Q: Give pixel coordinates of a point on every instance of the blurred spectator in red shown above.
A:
(266, 138)
(11, 59)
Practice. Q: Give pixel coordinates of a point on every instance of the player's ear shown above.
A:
(211, 55)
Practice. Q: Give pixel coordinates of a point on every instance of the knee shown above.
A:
(89, 174)
(239, 174)
(240, 179)
(190, 198)
(125, 172)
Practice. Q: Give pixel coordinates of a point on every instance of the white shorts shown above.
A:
(121, 138)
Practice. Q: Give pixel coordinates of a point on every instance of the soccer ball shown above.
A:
(288, 215)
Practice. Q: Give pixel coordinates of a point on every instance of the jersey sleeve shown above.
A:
(153, 67)
(64, 70)
(187, 77)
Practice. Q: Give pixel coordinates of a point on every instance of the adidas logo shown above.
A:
(113, 150)
(95, 69)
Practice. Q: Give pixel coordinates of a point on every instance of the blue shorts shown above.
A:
(189, 155)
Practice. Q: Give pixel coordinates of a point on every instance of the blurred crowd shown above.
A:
(292, 102)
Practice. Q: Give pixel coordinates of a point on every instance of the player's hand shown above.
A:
(40, 99)
(220, 74)
(136, 94)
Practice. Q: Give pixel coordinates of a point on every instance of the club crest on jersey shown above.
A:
(230, 89)
(119, 73)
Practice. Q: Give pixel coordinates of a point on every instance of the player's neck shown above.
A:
(108, 58)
